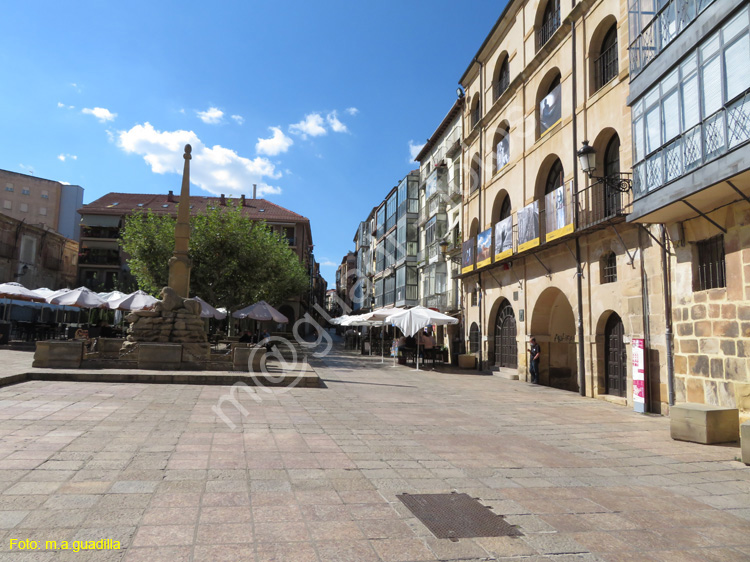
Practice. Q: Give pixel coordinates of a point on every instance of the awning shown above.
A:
(100, 220)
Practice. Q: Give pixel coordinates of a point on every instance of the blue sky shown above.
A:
(316, 102)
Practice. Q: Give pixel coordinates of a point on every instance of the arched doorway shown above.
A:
(506, 346)
(616, 357)
(553, 325)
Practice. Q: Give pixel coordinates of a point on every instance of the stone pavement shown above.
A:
(312, 474)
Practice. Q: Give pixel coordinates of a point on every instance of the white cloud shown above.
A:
(212, 115)
(60, 104)
(63, 157)
(352, 111)
(311, 125)
(328, 263)
(110, 136)
(215, 169)
(239, 119)
(415, 149)
(336, 125)
(275, 145)
(65, 182)
(102, 114)
(182, 110)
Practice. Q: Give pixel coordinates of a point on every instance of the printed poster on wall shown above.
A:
(558, 214)
(504, 239)
(528, 226)
(550, 109)
(639, 375)
(467, 256)
(484, 248)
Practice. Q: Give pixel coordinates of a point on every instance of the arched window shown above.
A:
(554, 178)
(501, 148)
(505, 209)
(549, 24)
(474, 338)
(605, 65)
(503, 79)
(608, 267)
(475, 179)
(612, 196)
(550, 106)
(476, 111)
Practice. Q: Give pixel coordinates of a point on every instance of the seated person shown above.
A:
(246, 337)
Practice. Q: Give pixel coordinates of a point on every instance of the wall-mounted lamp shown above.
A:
(587, 160)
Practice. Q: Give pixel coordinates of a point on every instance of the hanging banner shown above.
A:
(639, 375)
(550, 109)
(504, 239)
(484, 248)
(558, 215)
(467, 256)
(528, 226)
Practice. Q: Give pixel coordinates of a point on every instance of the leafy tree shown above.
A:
(235, 261)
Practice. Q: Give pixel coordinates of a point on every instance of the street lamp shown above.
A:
(587, 160)
(24, 271)
(444, 245)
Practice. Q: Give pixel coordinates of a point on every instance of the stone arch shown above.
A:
(606, 29)
(501, 140)
(548, 103)
(501, 75)
(474, 228)
(502, 316)
(475, 173)
(554, 326)
(543, 175)
(500, 207)
(546, 21)
(475, 113)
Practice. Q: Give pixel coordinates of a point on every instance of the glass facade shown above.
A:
(697, 112)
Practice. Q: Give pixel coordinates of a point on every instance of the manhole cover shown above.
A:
(457, 516)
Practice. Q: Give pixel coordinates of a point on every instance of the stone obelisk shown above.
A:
(179, 263)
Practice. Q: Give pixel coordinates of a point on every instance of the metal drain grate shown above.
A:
(457, 516)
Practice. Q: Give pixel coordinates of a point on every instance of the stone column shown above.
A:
(179, 263)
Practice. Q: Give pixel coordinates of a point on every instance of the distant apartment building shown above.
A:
(41, 202)
(345, 280)
(102, 264)
(396, 244)
(690, 113)
(36, 256)
(363, 296)
(440, 196)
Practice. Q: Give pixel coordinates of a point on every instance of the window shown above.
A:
(25, 191)
(390, 214)
(711, 272)
(476, 111)
(550, 107)
(697, 112)
(502, 148)
(605, 66)
(7, 204)
(474, 298)
(43, 211)
(505, 209)
(45, 194)
(474, 338)
(550, 23)
(554, 178)
(475, 180)
(24, 208)
(609, 268)
(503, 79)
(9, 188)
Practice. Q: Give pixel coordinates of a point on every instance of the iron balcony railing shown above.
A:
(724, 130)
(500, 86)
(545, 31)
(602, 202)
(605, 66)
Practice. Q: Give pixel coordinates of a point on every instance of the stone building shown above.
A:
(102, 264)
(345, 279)
(690, 107)
(36, 256)
(46, 203)
(546, 250)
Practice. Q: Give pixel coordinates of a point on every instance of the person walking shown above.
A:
(535, 352)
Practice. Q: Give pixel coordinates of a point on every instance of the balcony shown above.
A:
(600, 203)
(545, 31)
(104, 232)
(99, 257)
(453, 143)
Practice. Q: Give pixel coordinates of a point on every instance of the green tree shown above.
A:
(235, 261)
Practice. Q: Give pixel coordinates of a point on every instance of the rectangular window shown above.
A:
(737, 67)
(711, 270)
(25, 192)
(7, 204)
(45, 194)
(43, 211)
(24, 208)
(8, 187)
(474, 299)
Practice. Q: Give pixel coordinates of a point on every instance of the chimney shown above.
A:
(255, 190)
(223, 201)
(170, 196)
(242, 200)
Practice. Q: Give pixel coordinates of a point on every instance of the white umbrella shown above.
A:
(44, 292)
(412, 320)
(80, 297)
(261, 311)
(50, 297)
(112, 295)
(19, 292)
(138, 300)
(208, 311)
